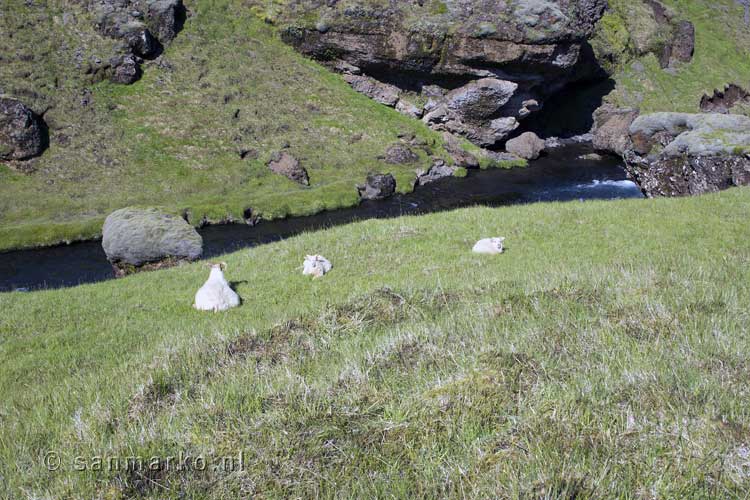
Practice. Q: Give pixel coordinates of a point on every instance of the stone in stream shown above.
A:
(438, 170)
(612, 128)
(377, 187)
(527, 146)
(146, 238)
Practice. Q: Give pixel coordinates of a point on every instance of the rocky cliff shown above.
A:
(472, 67)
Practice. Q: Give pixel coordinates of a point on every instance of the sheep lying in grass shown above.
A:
(216, 294)
(316, 266)
(491, 246)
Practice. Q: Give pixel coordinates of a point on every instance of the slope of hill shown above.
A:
(610, 369)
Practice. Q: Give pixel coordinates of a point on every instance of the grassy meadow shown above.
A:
(602, 356)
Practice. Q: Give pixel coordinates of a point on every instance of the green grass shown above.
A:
(721, 54)
(603, 356)
(173, 138)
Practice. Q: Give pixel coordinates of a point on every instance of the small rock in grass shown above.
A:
(283, 163)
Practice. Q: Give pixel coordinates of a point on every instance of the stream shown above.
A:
(561, 175)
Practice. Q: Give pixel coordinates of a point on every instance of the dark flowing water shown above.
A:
(559, 176)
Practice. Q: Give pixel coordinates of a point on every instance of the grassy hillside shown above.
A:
(604, 355)
(226, 85)
(722, 53)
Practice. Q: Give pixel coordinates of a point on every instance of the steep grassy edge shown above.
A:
(722, 54)
(603, 356)
(226, 85)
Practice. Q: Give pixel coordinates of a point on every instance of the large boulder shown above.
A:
(137, 237)
(475, 111)
(527, 146)
(479, 100)
(611, 132)
(678, 154)
(166, 18)
(22, 132)
(377, 187)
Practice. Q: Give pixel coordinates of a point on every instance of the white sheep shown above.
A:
(216, 294)
(316, 266)
(491, 246)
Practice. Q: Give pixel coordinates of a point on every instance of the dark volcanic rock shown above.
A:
(283, 163)
(142, 42)
(438, 170)
(23, 134)
(166, 18)
(678, 154)
(688, 175)
(144, 26)
(612, 129)
(134, 237)
(683, 44)
(377, 187)
(398, 154)
(126, 69)
(723, 100)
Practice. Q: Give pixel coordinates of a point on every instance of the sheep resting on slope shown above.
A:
(216, 294)
(316, 266)
(491, 246)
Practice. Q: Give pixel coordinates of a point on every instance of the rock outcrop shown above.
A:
(22, 132)
(283, 163)
(527, 146)
(135, 238)
(678, 154)
(377, 187)
(723, 100)
(483, 66)
(611, 132)
(144, 27)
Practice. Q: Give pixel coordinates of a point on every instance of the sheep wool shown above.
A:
(216, 294)
(316, 266)
(490, 246)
